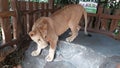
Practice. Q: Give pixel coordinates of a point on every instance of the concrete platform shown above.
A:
(98, 51)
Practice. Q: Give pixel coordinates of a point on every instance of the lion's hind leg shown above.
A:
(74, 32)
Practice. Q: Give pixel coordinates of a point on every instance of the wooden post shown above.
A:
(23, 17)
(90, 21)
(29, 16)
(104, 22)
(17, 27)
(5, 22)
(42, 8)
(35, 7)
(114, 23)
(50, 5)
(97, 23)
(45, 8)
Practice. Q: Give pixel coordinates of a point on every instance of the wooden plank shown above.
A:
(37, 11)
(92, 14)
(23, 5)
(97, 23)
(17, 30)
(35, 7)
(14, 21)
(45, 7)
(114, 23)
(24, 17)
(5, 22)
(102, 32)
(91, 21)
(107, 33)
(7, 13)
(10, 43)
(42, 8)
(15, 41)
(6, 30)
(29, 16)
(105, 22)
(50, 5)
(106, 16)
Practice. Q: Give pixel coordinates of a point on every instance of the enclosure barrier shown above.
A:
(18, 16)
(105, 23)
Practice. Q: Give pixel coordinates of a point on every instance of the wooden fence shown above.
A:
(104, 22)
(17, 21)
(8, 23)
(17, 17)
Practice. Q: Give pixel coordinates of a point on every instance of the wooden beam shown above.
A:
(15, 41)
(106, 16)
(101, 32)
(10, 43)
(5, 22)
(92, 14)
(7, 13)
(50, 4)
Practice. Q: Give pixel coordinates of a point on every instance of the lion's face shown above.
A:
(36, 37)
(39, 33)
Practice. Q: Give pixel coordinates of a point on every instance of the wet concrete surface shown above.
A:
(98, 51)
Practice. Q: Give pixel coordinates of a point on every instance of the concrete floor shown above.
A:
(98, 51)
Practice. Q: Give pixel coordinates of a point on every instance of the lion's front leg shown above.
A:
(53, 44)
(51, 54)
(36, 52)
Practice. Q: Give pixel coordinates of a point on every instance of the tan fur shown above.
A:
(47, 29)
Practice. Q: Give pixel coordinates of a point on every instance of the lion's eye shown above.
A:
(38, 39)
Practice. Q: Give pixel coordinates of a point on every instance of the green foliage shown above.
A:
(38, 0)
(119, 23)
(61, 3)
(112, 4)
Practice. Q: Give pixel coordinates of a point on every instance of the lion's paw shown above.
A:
(69, 39)
(35, 53)
(49, 58)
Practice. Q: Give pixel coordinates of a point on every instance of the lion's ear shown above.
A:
(31, 33)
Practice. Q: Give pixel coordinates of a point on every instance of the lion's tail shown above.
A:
(86, 23)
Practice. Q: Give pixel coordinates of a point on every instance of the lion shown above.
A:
(46, 30)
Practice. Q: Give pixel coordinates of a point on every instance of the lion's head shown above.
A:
(39, 32)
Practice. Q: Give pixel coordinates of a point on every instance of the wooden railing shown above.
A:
(105, 23)
(8, 23)
(16, 24)
(17, 17)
